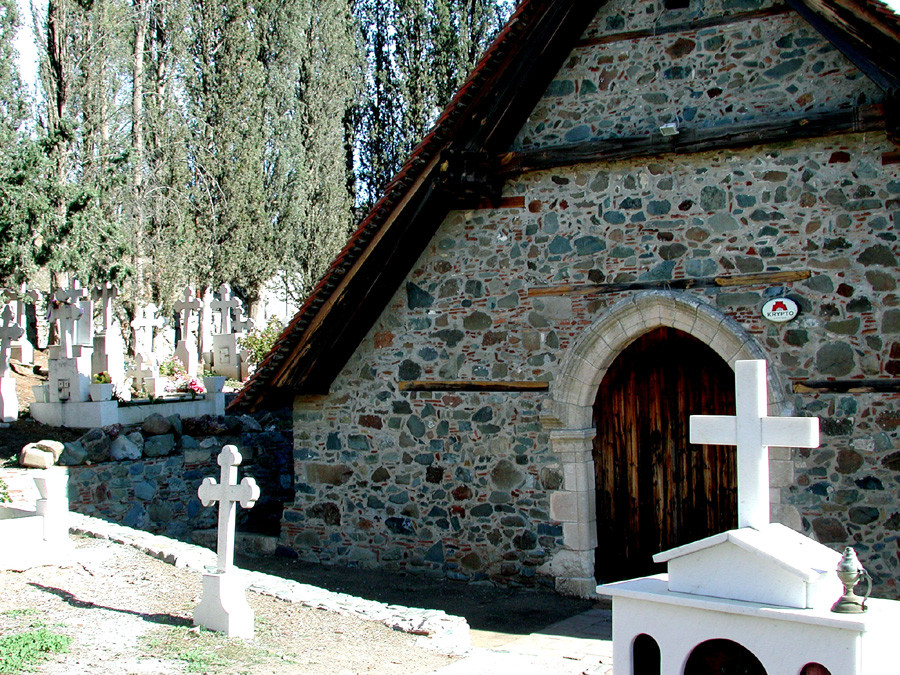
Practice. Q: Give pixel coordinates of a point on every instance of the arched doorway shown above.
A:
(656, 491)
(722, 657)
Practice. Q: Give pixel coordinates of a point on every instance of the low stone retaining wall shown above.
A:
(152, 486)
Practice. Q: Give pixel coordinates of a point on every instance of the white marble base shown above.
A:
(224, 607)
(89, 414)
(9, 400)
(784, 639)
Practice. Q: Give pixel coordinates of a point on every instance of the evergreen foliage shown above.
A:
(418, 53)
(183, 142)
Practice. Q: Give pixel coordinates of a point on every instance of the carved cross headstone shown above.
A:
(753, 431)
(9, 331)
(224, 306)
(223, 606)
(242, 324)
(65, 315)
(143, 324)
(228, 492)
(185, 308)
(75, 295)
(104, 294)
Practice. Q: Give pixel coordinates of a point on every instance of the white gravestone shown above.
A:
(223, 606)
(226, 354)
(146, 367)
(9, 400)
(65, 314)
(206, 326)
(753, 431)
(83, 333)
(70, 370)
(186, 351)
(109, 349)
(22, 349)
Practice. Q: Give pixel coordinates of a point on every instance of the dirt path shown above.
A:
(130, 613)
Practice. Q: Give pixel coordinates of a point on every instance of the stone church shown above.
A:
(493, 379)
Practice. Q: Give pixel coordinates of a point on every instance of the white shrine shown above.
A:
(223, 606)
(759, 597)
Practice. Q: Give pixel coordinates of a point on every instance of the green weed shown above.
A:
(23, 651)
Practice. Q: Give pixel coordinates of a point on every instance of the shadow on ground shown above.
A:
(486, 607)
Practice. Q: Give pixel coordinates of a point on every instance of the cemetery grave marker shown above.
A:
(223, 606)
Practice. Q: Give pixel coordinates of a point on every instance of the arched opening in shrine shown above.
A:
(715, 657)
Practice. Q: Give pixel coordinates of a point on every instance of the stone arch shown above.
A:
(570, 409)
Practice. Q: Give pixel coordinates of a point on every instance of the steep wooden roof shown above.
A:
(451, 168)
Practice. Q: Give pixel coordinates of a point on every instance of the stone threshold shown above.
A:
(436, 629)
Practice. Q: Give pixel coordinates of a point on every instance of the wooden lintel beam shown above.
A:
(690, 141)
(702, 282)
(471, 385)
(847, 387)
(702, 24)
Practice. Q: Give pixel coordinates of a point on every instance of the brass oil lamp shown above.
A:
(851, 572)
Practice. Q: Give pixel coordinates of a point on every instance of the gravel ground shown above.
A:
(130, 613)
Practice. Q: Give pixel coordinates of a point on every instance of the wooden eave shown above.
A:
(866, 31)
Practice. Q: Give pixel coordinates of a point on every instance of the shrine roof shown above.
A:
(777, 544)
(480, 122)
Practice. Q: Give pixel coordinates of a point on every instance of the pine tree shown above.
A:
(24, 206)
(418, 53)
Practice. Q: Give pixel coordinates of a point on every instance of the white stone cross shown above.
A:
(242, 324)
(143, 324)
(83, 331)
(65, 314)
(9, 331)
(227, 492)
(185, 308)
(105, 293)
(753, 431)
(224, 306)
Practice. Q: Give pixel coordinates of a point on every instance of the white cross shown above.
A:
(143, 325)
(753, 431)
(224, 307)
(227, 492)
(65, 315)
(185, 308)
(143, 368)
(242, 324)
(9, 331)
(105, 293)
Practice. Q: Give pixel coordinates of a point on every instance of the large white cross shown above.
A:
(753, 431)
(143, 324)
(224, 307)
(105, 293)
(185, 308)
(9, 331)
(65, 315)
(227, 492)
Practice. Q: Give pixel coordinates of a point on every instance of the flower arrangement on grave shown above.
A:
(181, 382)
(102, 378)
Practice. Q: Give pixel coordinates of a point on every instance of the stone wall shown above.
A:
(159, 493)
(463, 484)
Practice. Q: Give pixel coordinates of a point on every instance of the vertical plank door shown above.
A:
(655, 490)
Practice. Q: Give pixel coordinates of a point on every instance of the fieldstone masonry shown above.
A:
(477, 485)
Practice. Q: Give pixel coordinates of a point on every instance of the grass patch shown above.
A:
(23, 651)
(205, 651)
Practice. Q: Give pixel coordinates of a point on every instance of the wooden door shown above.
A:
(655, 490)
